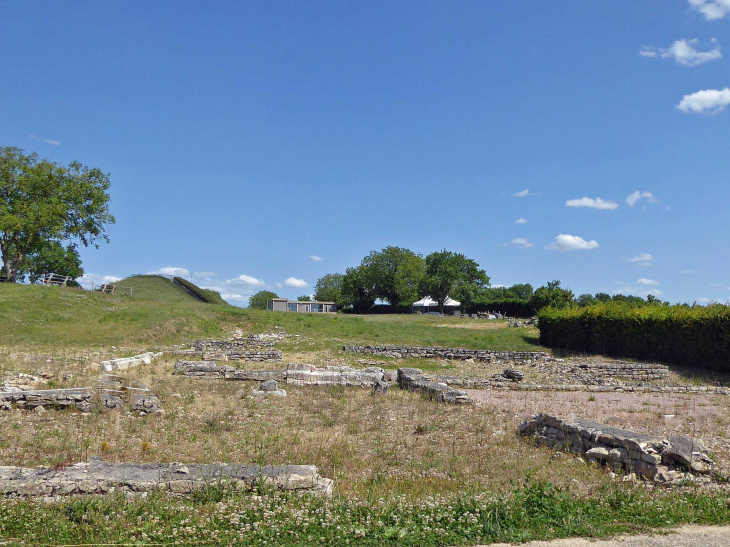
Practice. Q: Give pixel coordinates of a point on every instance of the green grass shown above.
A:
(534, 510)
(208, 296)
(159, 313)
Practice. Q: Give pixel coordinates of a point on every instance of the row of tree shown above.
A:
(399, 277)
(46, 211)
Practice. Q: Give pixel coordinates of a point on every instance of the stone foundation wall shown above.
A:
(99, 477)
(419, 352)
(648, 455)
(124, 363)
(83, 399)
(309, 375)
(589, 373)
(413, 379)
(208, 369)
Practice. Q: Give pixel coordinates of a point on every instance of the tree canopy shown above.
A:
(329, 289)
(260, 300)
(42, 201)
(395, 274)
(454, 275)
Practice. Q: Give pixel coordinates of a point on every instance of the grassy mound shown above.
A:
(206, 295)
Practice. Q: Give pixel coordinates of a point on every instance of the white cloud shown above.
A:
(171, 270)
(315, 258)
(521, 221)
(522, 242)
(711, 101)
(643, 259)
(295, 282)
(32, 136)
(498, 286)
(644, 281)
(205, 275)
(683, 52)
(637, 196)
(244, 279)
(54, 143)
(279, 285)
(648, 51)
(597, 203)
(88, 279)
(524, 193)
(566, 242)
(633, 291)
(712, 10)
(704, 300)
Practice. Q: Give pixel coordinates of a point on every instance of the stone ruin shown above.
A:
(309, 375)
(124, 363)
(269, 387)
(461, 354)
(413, 379)
(110, 393)
(222, 350)
(99, 477)
(605, 373)
(658, 458)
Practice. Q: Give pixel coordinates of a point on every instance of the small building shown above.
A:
(282, 304)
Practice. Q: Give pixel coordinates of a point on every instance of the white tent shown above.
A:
(428, 302)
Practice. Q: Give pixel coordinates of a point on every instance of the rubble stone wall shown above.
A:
(648, 455)
(419, 352)
(208, 369)
(83, 399)
(98, 477)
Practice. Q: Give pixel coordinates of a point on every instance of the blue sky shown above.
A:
(245, 138)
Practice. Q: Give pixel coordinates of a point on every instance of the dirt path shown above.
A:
(686, 536)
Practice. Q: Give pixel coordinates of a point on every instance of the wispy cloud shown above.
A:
(521, 221)
(628, 290)
(596, 203)
(522, 242)
(683, 52)
(525, 193)
(171, 270)
(637, 196)
(706, 101)
(643, 259)
(295, 282)
(686, 272)
(315, 258)
(566, 242)
(712, 10)
(644, 281)
(51, 141)
(205, 275)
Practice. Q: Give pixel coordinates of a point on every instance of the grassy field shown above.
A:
(407, 471)
(160, 314)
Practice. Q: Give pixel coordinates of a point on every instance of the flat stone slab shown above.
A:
(124, 363)
(310, 375)
(99, 477)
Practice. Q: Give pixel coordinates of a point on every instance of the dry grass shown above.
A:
(400, 443)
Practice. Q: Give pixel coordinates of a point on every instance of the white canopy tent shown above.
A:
(426, 303)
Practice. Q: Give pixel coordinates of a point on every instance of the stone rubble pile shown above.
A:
(269, 387)
(419, 352)
(99, 477)
(209, 369)
(658, 458)
(605, 373)
(413, 379)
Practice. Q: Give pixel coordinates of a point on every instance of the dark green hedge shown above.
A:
(512, 307)
(696, 336)
(208, 296)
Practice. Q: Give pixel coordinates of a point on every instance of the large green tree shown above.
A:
(552, 295)
(52, 257)
(454, 275)
(329, 289)
(260, 300)
(358, 289)
(394, 272)
(42, 201)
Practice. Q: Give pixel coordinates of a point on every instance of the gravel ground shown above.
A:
(704, 416)
(686, 536)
